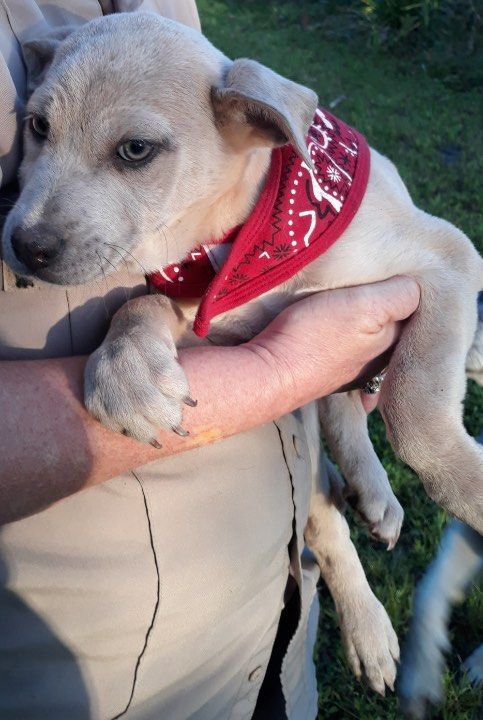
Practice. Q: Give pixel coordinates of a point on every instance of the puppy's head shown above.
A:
(133, 120)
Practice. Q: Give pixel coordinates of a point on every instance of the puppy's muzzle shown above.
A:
(36, 247)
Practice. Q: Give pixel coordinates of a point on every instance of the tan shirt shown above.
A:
(157, 594)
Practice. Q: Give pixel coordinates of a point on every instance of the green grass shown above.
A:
(433, 133)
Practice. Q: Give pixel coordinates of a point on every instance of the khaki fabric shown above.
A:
(160, 591)
(21, 20)
(158, 594)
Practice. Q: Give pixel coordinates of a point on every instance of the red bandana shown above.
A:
(299, 215)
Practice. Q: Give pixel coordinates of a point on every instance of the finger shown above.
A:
(377, 343)
(400, 295)
(372, 368)
(386, 302)
(369, 402)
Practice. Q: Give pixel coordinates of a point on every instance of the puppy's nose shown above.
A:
(36, 247)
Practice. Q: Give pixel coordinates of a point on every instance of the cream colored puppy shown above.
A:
(144, 139)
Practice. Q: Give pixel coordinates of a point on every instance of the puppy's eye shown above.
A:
(39, 126)
(135, 150)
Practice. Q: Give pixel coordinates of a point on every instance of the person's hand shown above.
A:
(327, 341)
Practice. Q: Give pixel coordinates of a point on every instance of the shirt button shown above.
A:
(256, 674)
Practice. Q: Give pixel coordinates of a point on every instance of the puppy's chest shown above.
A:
(246, 321)
(303, 210)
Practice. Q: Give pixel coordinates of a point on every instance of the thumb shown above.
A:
(382, 303)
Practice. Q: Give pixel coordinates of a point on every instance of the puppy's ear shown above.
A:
(38, 54)
(255, 106)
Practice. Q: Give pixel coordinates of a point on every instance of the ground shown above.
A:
(432, 132)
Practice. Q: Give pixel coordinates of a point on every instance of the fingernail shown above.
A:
(156, 444)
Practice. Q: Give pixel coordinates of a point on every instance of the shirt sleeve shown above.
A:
(184, 11)
(12, 89)
(20, 21)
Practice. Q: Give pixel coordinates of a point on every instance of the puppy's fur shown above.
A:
(458, 562)
(215, 122)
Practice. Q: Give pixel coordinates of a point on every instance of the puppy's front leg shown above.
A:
(133, 381)
(368, 636)
(344, 424)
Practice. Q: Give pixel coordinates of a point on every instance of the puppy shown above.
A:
(165, 151)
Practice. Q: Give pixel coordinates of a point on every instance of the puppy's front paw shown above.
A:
(382, 513)
(369, 639)
(135, 385)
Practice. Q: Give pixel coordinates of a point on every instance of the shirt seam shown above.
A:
(288, 704)
(237, 695)
(156, 605)
(9, 19)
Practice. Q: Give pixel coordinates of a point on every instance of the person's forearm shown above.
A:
(52, 448)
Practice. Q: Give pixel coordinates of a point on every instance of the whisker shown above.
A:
(126, 291)
(165, 230)
(166, 244)
(114, 247)
(157, 230)
(102, 269)
(103, 294)
(107, 261)
(145, 272)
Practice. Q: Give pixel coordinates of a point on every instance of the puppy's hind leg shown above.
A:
(368, 636)
(422, 394)
(474, 360)
(459, 559)
(344, 423)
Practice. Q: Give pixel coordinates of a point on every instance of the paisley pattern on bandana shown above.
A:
(301, 212)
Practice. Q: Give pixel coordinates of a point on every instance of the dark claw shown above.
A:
(156, 444)
(180, 431)
(189, 401)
